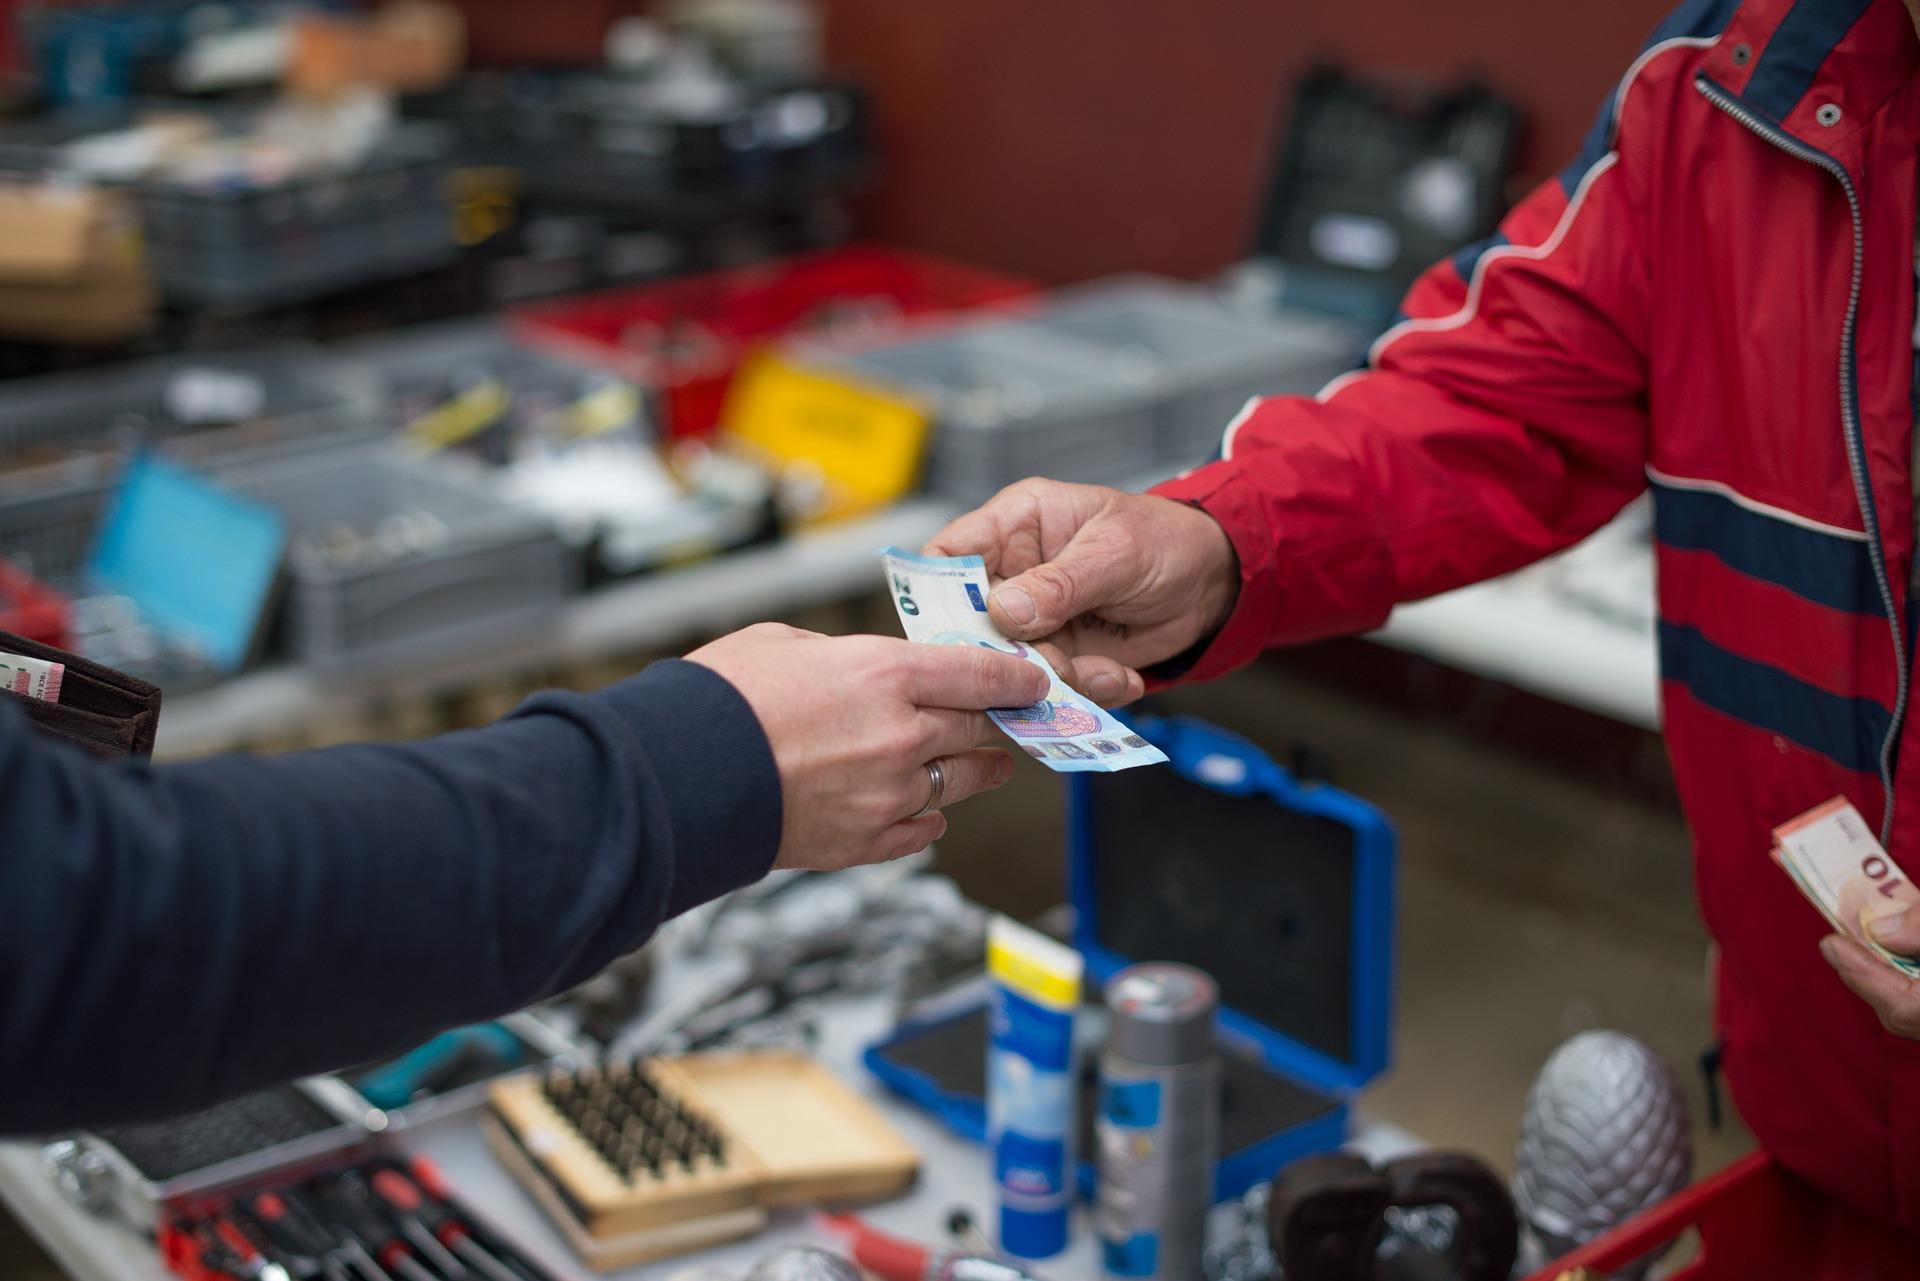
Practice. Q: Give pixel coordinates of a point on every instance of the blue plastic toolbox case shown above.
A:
(1280, 889)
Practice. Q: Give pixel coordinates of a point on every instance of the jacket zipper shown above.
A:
(1849, 412)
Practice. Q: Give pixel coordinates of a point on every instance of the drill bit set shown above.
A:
(640, 1159)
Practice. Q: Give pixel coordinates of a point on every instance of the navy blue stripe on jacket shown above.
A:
(1847, 731)
(1827, 569)
(1696, 19)
(1795, 51)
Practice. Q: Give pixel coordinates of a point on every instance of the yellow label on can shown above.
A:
(1035, 966)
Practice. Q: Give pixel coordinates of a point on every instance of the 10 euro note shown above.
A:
(1833, 856)
(942, 600)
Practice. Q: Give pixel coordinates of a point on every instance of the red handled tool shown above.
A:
(305, 1247)
(424, 1199)
(351, 1203)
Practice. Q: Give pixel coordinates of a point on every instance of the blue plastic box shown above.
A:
(1281, 889)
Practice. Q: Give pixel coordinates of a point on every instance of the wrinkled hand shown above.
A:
(853, 722)
(1114, 581)
(1893, 996)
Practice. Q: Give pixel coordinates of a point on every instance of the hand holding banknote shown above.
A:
(1833, 857)
(860, 728)
(1113, 582)
(942, 601)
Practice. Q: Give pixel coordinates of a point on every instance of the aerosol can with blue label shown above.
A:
(1158, 1128)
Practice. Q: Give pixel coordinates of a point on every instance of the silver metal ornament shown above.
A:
(1607, 1134)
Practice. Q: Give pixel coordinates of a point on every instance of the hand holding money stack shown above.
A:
(1832, 856)
(942, 600)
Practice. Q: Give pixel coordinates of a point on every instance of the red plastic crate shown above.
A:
(31, 609)
(684, 338)
(1756, 1222)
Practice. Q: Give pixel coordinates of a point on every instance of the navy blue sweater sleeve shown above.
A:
(173, 935)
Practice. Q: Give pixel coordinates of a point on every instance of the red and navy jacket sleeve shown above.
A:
(1502, 419)
(179, 934)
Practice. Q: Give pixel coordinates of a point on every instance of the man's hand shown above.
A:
(1115, 581)
(853, 722)
(1894, 997)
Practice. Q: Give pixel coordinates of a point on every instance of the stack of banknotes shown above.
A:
(31, 677)
(1833, 856)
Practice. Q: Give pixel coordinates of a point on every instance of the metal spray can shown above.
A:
(1158, 1129)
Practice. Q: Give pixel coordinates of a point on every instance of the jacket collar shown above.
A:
(1819, 69)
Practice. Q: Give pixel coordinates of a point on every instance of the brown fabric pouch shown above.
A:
(103, 712)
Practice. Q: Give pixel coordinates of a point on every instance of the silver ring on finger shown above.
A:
(936, 789)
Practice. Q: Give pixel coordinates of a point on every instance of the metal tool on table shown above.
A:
(225, 1248)
(1336, 1217)
(417, 1200)
(769, 954)
(351, 1204)
(1158, 1127)
(892, 1258)
(304, 1247)
(804, 1263)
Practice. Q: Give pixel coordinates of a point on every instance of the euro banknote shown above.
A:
(1833, 856)
(31, 677)
(942, 600)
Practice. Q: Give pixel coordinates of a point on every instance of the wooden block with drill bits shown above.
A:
(656, 1157)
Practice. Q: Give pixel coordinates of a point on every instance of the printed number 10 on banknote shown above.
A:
(942, 600)
(1834, 860)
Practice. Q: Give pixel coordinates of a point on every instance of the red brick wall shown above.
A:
(1068, 138)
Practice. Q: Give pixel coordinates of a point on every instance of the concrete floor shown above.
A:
(1535, 902)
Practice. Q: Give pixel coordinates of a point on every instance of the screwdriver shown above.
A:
(227, 1249)
(350, 1202)
(345, 1244)
(305, 1247)
(408, 1210)
(437, 1215)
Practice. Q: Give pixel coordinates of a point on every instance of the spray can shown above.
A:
(1158, 1130)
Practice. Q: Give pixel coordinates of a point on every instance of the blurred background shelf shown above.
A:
(1517, 630)
(806, 570)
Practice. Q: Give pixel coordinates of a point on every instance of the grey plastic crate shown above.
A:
(65, 437)
(240, 251)
(416, 366)
(1199, 360)
(1011, 401)
(393, 554)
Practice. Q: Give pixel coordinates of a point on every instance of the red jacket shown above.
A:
(1715, 300)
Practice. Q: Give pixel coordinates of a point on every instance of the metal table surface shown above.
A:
(953, 1173)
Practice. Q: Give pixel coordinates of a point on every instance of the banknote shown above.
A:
(31, 677)
(943, 601)
(1833, 856)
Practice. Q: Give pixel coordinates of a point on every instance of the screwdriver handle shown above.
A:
(403, 1196)
(291, 1229)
